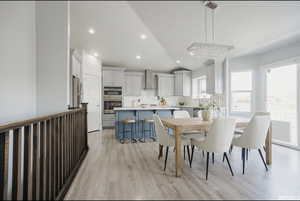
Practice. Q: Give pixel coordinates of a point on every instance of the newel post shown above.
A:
(84, 106)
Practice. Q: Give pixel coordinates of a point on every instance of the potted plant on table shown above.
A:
(207, 110)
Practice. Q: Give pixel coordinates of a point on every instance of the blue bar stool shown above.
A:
(128, 122)
(150, 129)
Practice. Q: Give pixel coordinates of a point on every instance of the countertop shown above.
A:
(146, 108)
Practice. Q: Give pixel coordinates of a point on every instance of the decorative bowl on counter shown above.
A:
(181, 103)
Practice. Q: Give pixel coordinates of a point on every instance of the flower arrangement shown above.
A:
(211, 105)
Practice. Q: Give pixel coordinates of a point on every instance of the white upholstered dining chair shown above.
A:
(254, 136)
(218, 140)
(167, 140)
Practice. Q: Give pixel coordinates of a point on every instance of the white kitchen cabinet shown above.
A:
(183, 83)
(165, 85)
(133, 83)
(113, 77)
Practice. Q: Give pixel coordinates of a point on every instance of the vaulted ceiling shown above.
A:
(171, 26)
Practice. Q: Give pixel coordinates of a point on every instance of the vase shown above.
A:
(206, 115)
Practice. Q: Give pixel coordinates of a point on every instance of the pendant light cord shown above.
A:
(205, 23)
(213, 24)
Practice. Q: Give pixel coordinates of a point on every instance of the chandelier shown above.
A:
(209, 50)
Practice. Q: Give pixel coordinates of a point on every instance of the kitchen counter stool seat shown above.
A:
(128, 122)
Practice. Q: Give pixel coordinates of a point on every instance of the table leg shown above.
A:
(268, 145)
(178, 158)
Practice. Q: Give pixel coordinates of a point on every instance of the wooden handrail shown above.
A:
(19, 124)
(45, 153)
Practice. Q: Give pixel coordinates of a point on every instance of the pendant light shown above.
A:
(209, 50)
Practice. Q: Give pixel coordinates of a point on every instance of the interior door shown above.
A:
(92, 96)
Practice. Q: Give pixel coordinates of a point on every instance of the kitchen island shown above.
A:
(139, 114)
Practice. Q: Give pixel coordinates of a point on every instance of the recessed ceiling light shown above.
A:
(96, 54)
(138, 57)
(178, 61)
(91, 31)
(192, 53)
(143, 36)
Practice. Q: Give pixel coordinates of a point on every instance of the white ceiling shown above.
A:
(171, 26)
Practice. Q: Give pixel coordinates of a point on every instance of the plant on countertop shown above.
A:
(163, 101)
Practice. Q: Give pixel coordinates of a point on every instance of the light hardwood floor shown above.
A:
(132, 171)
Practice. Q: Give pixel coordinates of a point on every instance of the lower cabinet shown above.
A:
(108, 120)
(137, 127)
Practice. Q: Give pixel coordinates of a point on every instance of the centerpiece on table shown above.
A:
(208, 109)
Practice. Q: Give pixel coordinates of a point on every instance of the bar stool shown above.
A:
(128, 122)
(150, 130)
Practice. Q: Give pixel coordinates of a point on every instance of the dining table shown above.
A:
(180, 125)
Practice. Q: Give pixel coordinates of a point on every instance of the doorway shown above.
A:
(282, 103)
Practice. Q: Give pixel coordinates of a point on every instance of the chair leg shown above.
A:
(124, 129)
(184, 152)
(262, 158)
(247, 153)
(230, 150)
(160, 151)
(192, 156)
(225, 155)
(143, 131)
(213, 158)
(167, 151)
(203, 154)
(243, 158)
(207, 163)
(223, 158)
(188, 152)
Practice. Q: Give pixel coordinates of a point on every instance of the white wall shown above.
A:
(53, 73)
(17, 60)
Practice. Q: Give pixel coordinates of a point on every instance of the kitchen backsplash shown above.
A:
(149, 97)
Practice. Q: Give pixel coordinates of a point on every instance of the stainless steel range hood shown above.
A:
(149, 79)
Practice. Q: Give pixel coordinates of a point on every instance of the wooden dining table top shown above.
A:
(198, 123)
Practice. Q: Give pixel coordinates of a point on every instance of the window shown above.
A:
(241, 92)
(199, 87)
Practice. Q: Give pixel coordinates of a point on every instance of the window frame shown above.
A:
(198, 80)
(252, 92)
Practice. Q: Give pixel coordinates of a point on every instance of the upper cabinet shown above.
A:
(183, 83)
(165, 85)
(113, 77)
(133, 83)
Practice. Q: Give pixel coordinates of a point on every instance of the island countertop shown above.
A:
(146, 108)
